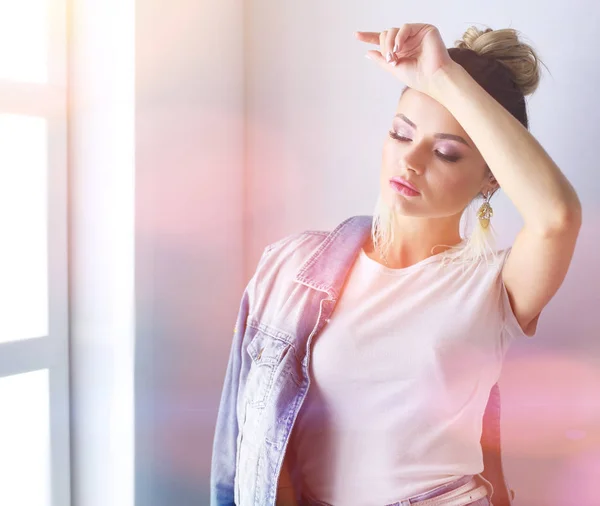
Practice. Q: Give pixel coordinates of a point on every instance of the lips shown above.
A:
(404, 182)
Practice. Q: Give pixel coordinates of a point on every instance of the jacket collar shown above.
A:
(326, 269)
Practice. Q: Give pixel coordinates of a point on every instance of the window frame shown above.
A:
(49, 101)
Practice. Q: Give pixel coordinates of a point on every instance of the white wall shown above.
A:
(190, 224)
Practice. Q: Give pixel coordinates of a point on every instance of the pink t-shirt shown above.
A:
(400, 378)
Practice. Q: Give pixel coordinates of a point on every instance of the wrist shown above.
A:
(444, 80)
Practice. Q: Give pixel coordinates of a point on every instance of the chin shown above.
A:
(400, 203)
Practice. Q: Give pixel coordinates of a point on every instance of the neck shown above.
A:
(413, 243)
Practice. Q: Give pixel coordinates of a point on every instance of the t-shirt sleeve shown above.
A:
(511, 326)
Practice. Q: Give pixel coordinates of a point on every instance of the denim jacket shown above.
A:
(287, 302)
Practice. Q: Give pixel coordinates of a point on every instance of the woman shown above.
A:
(399, 345)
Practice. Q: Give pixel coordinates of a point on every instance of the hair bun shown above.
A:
(505, 47)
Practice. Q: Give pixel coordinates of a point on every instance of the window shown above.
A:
(34, 426)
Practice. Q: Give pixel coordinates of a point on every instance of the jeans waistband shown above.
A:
(442, 489)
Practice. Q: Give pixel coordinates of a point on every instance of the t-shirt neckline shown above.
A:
(375, 265)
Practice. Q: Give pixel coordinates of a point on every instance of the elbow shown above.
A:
(557, 212)
(560, 218)
(571, 216)
(567, 220)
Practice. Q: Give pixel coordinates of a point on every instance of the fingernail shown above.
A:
(396, 48)
(389, 57)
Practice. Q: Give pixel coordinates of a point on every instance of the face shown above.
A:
(447, 173)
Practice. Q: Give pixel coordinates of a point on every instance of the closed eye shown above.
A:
(446, 158)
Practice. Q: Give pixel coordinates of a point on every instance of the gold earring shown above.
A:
(485, 212)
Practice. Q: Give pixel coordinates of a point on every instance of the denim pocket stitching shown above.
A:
(266, 353)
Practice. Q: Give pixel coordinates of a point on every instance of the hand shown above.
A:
(413, 53)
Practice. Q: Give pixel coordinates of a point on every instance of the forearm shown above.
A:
(533, 182)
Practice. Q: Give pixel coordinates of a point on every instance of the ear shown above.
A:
(490, 185)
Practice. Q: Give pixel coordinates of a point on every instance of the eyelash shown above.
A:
(449, 159)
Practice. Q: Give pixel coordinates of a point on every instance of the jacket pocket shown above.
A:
(266, 353)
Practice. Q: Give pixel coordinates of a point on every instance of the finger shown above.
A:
(403, 34)
(369, 37)
(383, 46)
(388, 47)
(398, 39)
(406, 32)
(376, 56)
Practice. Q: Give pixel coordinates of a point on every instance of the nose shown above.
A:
(414, 159)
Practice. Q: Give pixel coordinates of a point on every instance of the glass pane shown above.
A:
(25, 440)
(24, 40)
(23, 228)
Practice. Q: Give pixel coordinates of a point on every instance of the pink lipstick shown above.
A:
(403, 187)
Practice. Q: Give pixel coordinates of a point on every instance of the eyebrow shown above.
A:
(451, 137)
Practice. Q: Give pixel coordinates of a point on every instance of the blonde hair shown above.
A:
(505, 46)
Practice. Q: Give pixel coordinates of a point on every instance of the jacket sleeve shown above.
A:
(224, 451)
